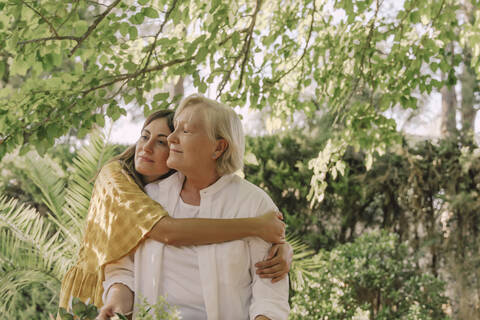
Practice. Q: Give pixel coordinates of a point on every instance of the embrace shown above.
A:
(201, 236)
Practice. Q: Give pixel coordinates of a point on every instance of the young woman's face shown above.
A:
(190, 147)
(151, 151)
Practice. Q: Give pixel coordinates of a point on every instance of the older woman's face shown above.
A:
(151, 151)
(191, 150)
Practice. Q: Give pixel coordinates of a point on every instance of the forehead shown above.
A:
(192, 115)
(158, 126)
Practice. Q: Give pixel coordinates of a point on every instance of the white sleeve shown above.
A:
(268, 299)
(120, 271)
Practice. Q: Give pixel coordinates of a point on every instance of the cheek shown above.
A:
(163, 155)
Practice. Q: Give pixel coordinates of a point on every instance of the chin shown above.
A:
(172, 165)
(143, 171)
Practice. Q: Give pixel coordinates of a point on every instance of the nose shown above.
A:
(172, 137)
(148, 146)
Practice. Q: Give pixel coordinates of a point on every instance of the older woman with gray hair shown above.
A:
(215, 281)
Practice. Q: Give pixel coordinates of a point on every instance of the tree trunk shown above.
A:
(178, 88)
(469, 87)
(448, 127)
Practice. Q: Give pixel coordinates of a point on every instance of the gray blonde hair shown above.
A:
(221, 123)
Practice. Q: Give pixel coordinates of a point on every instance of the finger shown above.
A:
(279, 215)
(273, 251)
(272, 275)
(275, 280)
(268, 263)
(269, 272)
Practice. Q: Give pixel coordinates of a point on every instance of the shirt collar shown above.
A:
(178, 178)
(218, 185)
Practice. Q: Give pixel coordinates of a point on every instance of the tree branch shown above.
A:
(43, 17)
(244, 51)
(122, 77)
(362, 58)
(248, 42)
(49, 38)
(93, 26)
(221, 43)
(129, 76)
(314, 9)
(160, 30)
(74, 10)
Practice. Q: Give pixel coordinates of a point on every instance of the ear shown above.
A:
(220, 146)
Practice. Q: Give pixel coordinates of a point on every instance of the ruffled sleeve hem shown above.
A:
(83, 285)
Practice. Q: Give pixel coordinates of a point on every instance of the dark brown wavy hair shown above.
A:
(127, 158)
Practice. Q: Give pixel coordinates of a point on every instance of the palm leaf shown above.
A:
(37, 248)
(34, 233)
(22, 264)
(83, 171)
(304, 265)
(49, 179)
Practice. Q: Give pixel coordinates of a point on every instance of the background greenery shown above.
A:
(387, 222)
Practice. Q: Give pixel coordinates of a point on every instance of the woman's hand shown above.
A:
(278, 263)
(108, 311)
(271, 228)
(119, 300)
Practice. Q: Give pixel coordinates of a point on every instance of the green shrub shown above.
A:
(373, 277)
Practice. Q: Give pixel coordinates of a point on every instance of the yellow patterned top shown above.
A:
(119, 217)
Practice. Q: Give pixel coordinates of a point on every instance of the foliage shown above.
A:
(158, 311)
(80, 311)
(43, 245)
(67, 64)
(374, 276)
(426, 193)
(279, 164)
(34, 302)
(37, 248)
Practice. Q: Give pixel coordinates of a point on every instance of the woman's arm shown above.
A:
(197, 231)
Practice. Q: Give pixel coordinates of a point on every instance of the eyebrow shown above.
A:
(159, 135)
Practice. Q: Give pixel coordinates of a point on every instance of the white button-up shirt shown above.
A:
(231, 288)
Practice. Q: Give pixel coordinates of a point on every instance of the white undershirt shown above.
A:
(181, 275)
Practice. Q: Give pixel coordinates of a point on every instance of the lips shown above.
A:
(146, 159)
(173, 149)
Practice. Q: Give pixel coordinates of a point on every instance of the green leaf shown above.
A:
(130, 66)
(2, 68)
(161, 96)
(150, 12)
(92, 311)
(202, 54)
(80, 27)
(100, 120)
(133, 32)
(64, 315)
(121, 316)
(143, 2)
(124, 28)
(52, 132)
(235, 38)
(137, 18)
